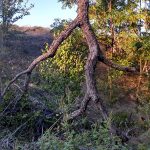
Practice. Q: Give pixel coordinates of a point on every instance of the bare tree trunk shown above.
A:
(94, 51)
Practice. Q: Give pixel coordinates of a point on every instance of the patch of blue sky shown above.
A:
(44, 12)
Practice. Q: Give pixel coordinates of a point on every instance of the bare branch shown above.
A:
(91, 93)
(27, 81)
(18, 87)
(82, 108)
(103, 109)
(116, 66)
(50, 53)
(13, 80)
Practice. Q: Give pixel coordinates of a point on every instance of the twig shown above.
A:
(53, 125)
(82, 108)
(18, 87)
(11, 102)
(12, 81)
(12, 134)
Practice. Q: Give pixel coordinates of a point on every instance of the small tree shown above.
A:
(12, 11)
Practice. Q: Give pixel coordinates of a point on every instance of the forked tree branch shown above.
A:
(95, 55)
(12, 81)
(116, 66)
(82, 108)
(82, 21)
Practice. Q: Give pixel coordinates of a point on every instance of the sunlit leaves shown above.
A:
(70, 57)
(68, 3)
(13, 10)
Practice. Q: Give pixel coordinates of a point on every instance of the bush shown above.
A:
(63, 74)
(98, 138)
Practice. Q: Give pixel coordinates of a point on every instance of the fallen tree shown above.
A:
(95, 54)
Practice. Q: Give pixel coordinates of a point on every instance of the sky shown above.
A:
(44, 12)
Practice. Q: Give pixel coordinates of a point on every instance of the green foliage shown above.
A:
(15, 115)
(70, 59)
(127, 20)
(58, 25)
(19, 114)
(143, 147)
(64, 73)
(97, 138)
(12, 11)
(142, 48)
(144, 111)
(67, 3)
(122, 120)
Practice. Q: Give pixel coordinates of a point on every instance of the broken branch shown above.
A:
(116, 66)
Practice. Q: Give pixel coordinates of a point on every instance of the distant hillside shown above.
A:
(28, 40)
(20, 47)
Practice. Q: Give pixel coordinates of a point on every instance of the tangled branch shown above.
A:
(95, 55)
